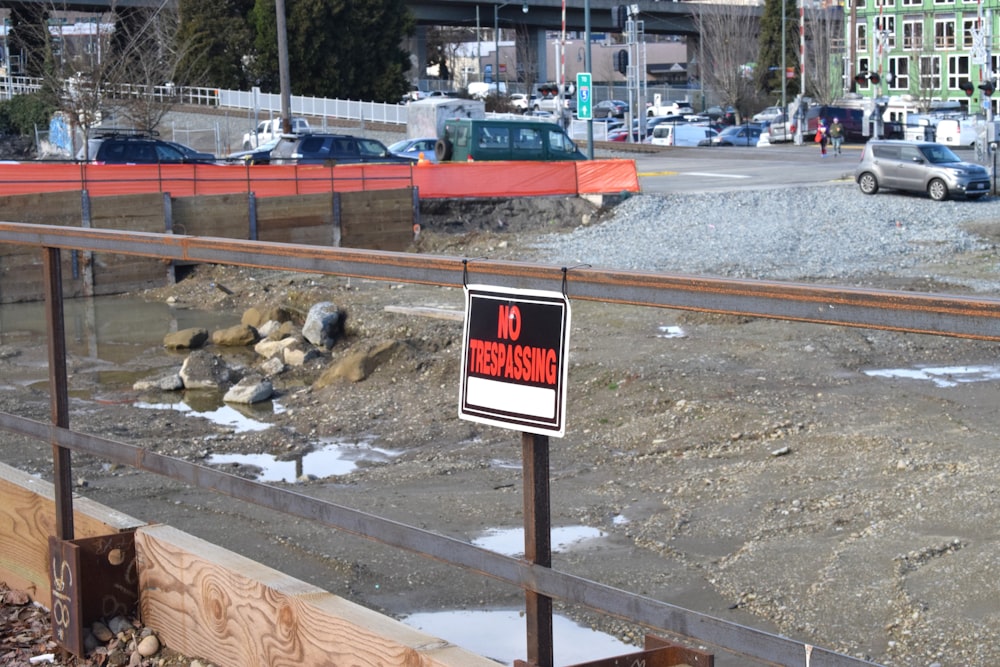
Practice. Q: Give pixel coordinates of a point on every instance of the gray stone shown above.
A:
(170, 382)
(249, 390)
(204, 370)
(324, 324)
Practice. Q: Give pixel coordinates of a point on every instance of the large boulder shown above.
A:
(249, 390)
(239, 335)
(185, 339)
(358, 365)
(204, 370)
(257, 317)
(324, 324)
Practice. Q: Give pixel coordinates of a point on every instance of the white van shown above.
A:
(960, 133)
(673, 134)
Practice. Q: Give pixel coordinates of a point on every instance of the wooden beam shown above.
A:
(209, 602)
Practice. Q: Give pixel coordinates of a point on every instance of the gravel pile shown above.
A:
(829, 233)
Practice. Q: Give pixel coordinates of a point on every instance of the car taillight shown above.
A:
(791, 128)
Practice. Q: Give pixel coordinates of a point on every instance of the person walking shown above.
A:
(821, 137)
(836, 136)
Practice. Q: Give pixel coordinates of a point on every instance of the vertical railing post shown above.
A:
(62, 469)
(537, 544)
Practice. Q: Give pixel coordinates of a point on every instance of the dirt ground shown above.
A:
(753, 470)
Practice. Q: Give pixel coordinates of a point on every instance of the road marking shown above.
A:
(713, 175)
(645, 174)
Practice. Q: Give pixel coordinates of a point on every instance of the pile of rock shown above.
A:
(277, 340)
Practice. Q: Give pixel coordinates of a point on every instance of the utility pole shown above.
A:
(284, 77)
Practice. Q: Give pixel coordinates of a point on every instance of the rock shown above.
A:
(273, 366)
(148, 646)
(249, 390)
(324, 324)
(296, 356)
(101, 632)
(269, 348)
(256, 317)
(239, 335)
(204, 370)
(119, 624)
(358, 365)
(169, 382)
(186, 339)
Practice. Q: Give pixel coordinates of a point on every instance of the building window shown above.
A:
(930, 73)
(913, 34)
(913, 3)
(958, 70)
(862, 37)
(968, 26)
(944, 2)
(863, 66)
(885, 25)
(899, 67)
(944, 33)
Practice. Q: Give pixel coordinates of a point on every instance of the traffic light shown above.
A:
(987, 87)
(967, 86)
(864, 76)
(621, 61)
(619, 15)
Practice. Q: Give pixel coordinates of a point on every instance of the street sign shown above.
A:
(514, 365)
(584, 97)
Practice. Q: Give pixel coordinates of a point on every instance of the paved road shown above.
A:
(721, 169)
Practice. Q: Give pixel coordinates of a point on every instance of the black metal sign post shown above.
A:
(537, 544)
(514, 371)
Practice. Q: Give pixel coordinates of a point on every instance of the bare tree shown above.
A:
(729, 46)
(115, 69)
(824, 52)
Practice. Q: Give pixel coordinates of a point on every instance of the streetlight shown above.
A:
(496, 38)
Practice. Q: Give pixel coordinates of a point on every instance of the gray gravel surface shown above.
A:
(822, 233)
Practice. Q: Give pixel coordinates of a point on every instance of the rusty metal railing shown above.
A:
(959, 316)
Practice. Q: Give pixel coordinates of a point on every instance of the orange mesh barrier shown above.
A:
(450, 180)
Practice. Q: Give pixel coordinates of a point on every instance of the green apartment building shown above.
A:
(929, 50)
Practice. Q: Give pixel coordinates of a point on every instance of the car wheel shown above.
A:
(937, 190)
(868, 183)
(442, 150)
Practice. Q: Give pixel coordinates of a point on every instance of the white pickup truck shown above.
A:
(658, 108)
(269, 129)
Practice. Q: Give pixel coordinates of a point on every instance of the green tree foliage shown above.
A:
(336, 48)
(220, 42)
(768, 69)
(21, 114)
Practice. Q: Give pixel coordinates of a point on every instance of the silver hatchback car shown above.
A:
(919, 166)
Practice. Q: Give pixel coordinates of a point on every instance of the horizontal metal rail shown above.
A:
(545, 581)
(948, 315)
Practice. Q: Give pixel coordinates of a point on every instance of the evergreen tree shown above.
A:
(336, 48)
(768, 70)
(220, 40)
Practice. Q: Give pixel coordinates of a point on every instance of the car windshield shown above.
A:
(939, 154)
(399, 146)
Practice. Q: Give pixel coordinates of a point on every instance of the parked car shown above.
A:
(671, 134)
(332, 149)
(269, 129)
(768, 115)
(735, 135)
(610, 109)
(142, 149)
(414, 148)
(259, 155)
(919, 166)
(521, 101)
(480, 139)
(725, 116)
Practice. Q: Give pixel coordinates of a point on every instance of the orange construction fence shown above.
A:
(434, 181)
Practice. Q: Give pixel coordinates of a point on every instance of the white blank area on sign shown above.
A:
(515, 398)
